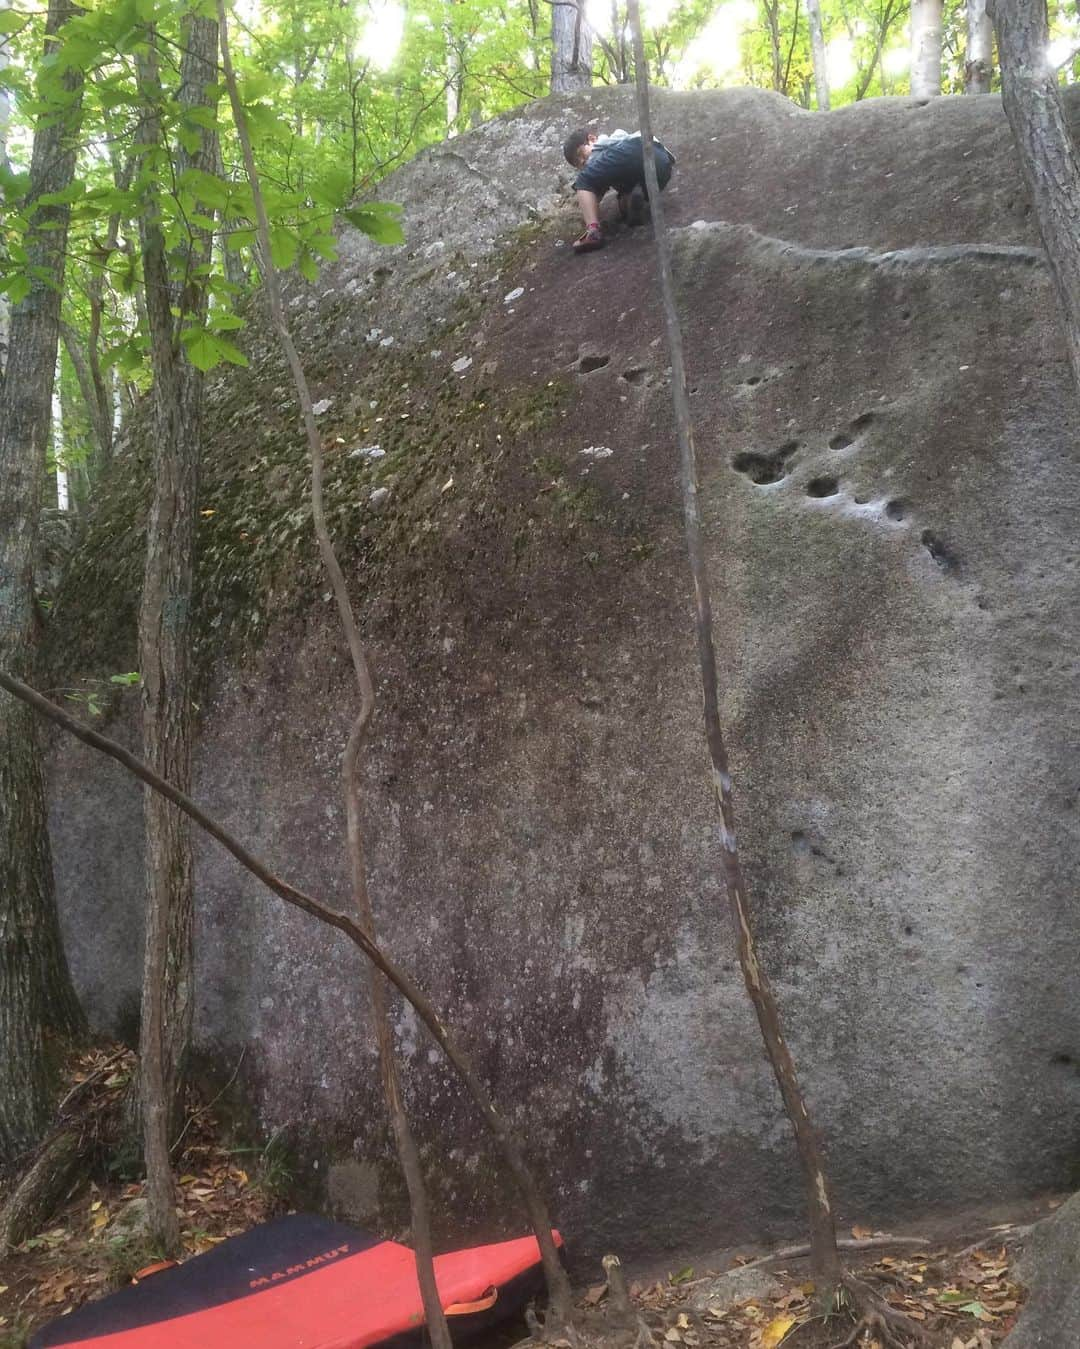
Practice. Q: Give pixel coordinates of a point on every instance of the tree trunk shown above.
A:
(36, 995)
(1048, 152)
(925, 48)
(165, 637)
(102, 402)
(99, 414)
(5, 119)
(979, 61)
(571, 48)
(817, 49)
(825, 1266)
(453, 83)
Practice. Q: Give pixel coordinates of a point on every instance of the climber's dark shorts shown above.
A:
(621, 167)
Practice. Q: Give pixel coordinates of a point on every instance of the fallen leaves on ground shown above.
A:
(776, 1330)
(95, 1244)
(962, 1299)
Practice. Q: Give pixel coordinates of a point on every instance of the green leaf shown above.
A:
(377, 221)
(334, 188)
(209, 190)
(226, 322)
(253, 86)
(190, 138)
(71, 193)
(976, 1309)
(283, 246)
(325, 245)
(309, 268)
(129, 357)
(11, 21)
(265, 124)
(13, 185)
(132, 677)
(16, 288)
(202, 117)
(126, 276)
(206, 350)
(235, 240)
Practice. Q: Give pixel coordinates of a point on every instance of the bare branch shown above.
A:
(350, 928)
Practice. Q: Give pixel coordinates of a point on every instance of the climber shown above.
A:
(614, 161)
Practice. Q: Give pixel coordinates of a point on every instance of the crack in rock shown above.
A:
(928, 255)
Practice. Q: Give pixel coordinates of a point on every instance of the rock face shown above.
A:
(1050, 1268)
(887, 433)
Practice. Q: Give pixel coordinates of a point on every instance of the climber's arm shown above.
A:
(590, 206)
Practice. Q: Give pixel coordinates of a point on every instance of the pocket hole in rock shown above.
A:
(896, 509)
(862, 422)
(635, 374)
(938, 551)
(840, 442)
(822, 487)
(588, 364)
(763, 469)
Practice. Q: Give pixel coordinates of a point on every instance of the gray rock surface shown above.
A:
(1049, 1267)
(735, 1286)
(888, 440)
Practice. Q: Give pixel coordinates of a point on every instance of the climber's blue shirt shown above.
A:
(620, 164)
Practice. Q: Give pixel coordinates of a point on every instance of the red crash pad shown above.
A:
(302, 1282)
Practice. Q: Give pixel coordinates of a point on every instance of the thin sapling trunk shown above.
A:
(817, 51)
(979, 56)
(408, 1153)
(556, 1277)
(164, 643)
(833, 1290)
(926, 23)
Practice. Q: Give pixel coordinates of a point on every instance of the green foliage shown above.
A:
(92, 695)
(17, 1334)
(122, 176)
(333, 109)
(127, 1253)
(276, 1167)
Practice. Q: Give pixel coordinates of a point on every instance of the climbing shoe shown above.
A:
(635, 207)
(592, 238)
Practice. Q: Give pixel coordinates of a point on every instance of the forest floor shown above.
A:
(955, 1283)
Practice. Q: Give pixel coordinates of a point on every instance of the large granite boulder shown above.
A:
(888, 432)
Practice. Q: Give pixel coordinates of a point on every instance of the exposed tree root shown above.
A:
(881, 1241)
(87, 1123)
(856, 1312)
(616, 1325)
(42, 1187)
(875, 1321)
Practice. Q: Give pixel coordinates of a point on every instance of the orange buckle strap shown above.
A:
(482, 1304)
